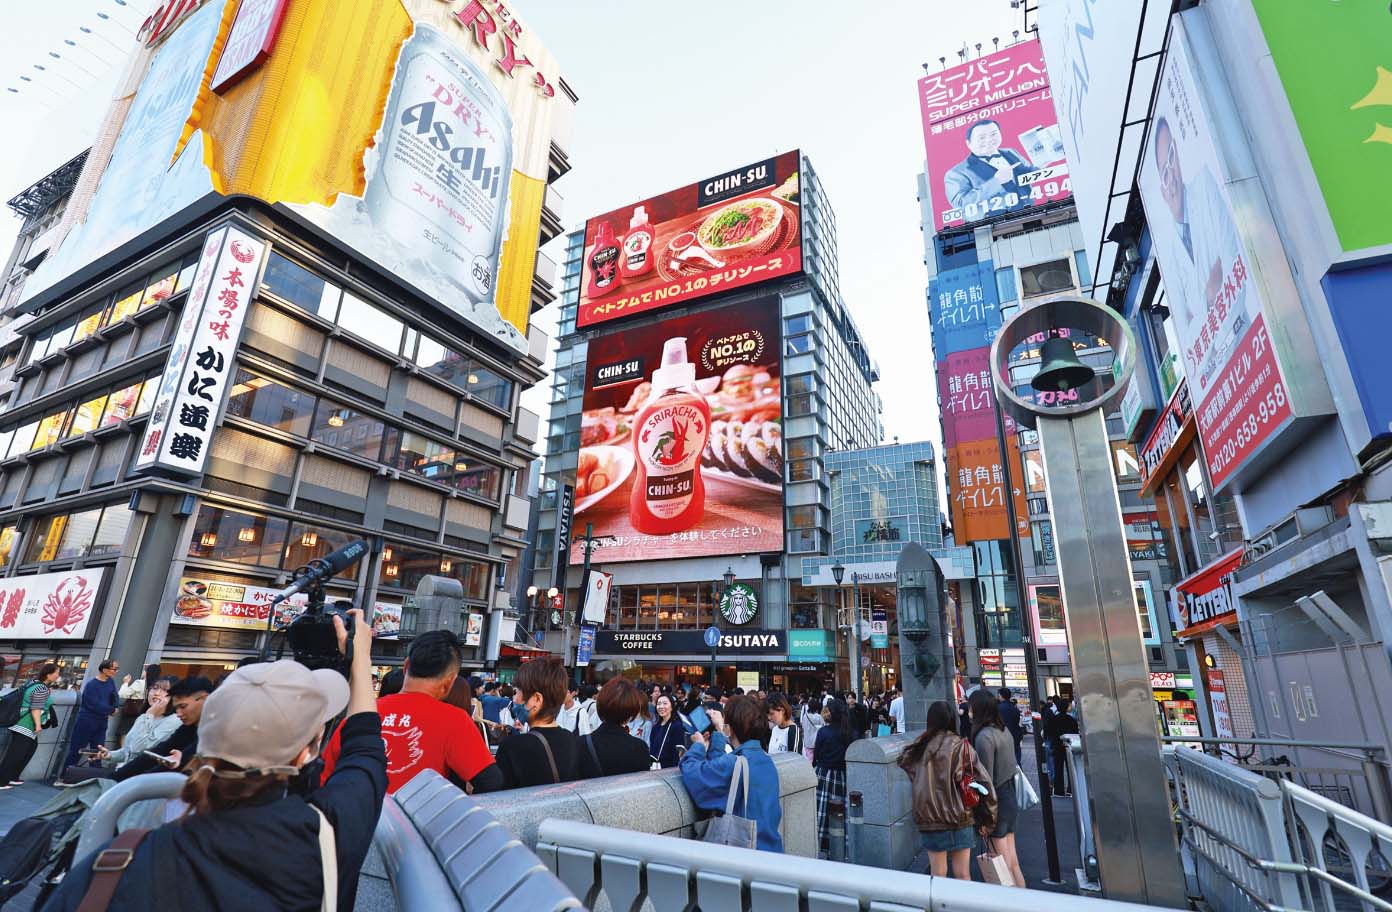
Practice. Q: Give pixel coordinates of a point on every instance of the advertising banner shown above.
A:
(1205, 599)
(565, 517)
(967, 397)
(386, 621)
(811, 644)
(199, 369)
(473, 630)
(584, 649)
(1342, 104)
(1218, 702)
(1212, 287)
(993, 142)
(681, 442)
(1173, 429)
(689, 642)
(1143, 538)
(205, 602)
(977, 480)
(1046, 604)
(1358, 303)
(428, 156)
(49, 606)
(879, 628)
(731, 230)
(597, 596)
(966, 308)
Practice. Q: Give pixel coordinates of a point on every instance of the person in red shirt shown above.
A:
(421, 731)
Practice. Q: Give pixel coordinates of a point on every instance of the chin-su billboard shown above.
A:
(681, 441)
(417, 136)
(728, 231)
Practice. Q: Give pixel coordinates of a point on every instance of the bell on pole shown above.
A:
(1061, 370)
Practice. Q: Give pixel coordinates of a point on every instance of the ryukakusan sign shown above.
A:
(689, 642)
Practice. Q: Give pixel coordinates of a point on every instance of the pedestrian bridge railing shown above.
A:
(611, 868)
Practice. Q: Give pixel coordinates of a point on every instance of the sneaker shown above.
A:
(5, 788)
(59, 783)
(17, 782)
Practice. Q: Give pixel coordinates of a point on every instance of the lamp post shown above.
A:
(838, 573)
(589, 541)
(855, 635)
(729, 578)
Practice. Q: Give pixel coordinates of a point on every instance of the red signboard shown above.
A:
(966, 397)
(729, 231)
(1167, 434)
(992, 139)
(1205, 600)
(1246, 405)
(250, 42)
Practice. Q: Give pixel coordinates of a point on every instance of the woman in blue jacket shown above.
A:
(707, 774)
(667, 735)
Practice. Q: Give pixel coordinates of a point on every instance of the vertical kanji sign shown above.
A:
(200, 366)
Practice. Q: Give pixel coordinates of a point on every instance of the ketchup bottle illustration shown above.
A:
(669, 494)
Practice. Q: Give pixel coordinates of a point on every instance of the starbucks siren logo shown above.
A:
(739, 604)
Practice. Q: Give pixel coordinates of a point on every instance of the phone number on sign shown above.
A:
(1038, 192)
(1269, 408)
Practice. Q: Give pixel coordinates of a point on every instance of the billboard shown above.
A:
(1342, 104)
(204, 602)
(967, 398)
(428, 156)
(681, 440)
(977, 479)
(1213, 285)
(734, 229)
(49, 606)
(965, 305)
(1358, 303)
(992, 140)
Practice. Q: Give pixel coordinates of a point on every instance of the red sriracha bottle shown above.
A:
(637, 246)
(604, 262)
(670, 434)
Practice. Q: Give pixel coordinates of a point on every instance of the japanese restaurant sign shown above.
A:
(203, 602)
(49, 606)
(198, 372)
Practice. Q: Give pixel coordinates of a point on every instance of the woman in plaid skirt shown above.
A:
(829, 759)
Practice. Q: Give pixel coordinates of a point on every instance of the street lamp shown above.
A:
(855, 633)
(729, 579)
(838, 573)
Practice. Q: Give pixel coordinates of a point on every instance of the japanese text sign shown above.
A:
(992, 139)
(1214, 294)
(49, 606)
(203, 602)
(965, 308)
(198, 372)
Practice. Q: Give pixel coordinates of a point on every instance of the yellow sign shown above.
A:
(748, 681)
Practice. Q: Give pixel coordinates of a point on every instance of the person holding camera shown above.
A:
(708, 774)
(249, 840)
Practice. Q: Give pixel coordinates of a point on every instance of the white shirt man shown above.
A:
(896, 712)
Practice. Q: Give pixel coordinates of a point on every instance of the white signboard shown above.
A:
(201, 361)
(597, 597)
(210, 602)
(473, 632)
(49, 606)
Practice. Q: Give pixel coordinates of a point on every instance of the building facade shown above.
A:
(159, 491)
(1261, 409)
(661, 600)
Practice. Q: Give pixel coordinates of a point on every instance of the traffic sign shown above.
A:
(712, 637)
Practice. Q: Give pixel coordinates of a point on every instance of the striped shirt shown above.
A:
(38, 699)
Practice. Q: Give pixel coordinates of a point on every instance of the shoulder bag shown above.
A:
(108, 868)
(728, 829)
(328, 862)
(594, 754)
(550, 757)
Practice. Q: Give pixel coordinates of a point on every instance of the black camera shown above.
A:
(313, 639)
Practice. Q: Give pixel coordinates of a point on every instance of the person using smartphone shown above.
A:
(257, 731)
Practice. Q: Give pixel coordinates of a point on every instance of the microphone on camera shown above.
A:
(322, 569)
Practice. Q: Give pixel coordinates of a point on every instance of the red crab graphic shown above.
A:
(10, 613)
(67, 606)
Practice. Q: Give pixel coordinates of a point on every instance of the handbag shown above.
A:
(550, 757)
(994, 870)
(729, 829)
(1025, 795)
(881, 730)
(966, 778)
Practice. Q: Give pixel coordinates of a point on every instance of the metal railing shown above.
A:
(1353, 775)
(1266, 842)
(621, 869)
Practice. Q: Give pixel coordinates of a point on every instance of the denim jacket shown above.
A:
(707, 775)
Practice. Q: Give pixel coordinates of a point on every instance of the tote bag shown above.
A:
(729, 829)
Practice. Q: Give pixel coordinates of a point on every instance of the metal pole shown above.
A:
(569, 618)
(855, 636)
(855, 820)
(1041, 763)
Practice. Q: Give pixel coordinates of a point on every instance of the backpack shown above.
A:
(12, 704)
(24, 852)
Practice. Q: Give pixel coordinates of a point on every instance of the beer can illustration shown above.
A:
(444, 162)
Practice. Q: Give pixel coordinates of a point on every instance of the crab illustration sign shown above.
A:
(49, 606)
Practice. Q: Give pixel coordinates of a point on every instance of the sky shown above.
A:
(670, 92)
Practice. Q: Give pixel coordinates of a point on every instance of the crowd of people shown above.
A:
(538, 729)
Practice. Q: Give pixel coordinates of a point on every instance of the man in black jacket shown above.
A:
(187, 696)
(1010, 715)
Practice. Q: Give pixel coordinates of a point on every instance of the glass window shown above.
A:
(802, 517)
(802, 541)
(9, 537)
(426, 457)
(800, 384)
(62, 336)
(186, 274)
(1034, 471)
(160, 288)
(293, 283)
(23, 436)
(270, 403)
(242, 538)
(1046, 278)
(44, 540)
(647, 607)
(359, 317)
(147, 394)
(797, 345)
(307, 542)
(78, 533)
(1128, 468)
(1143, 610)
(87, 416)
(800, 405)
(89, 322)
(802, 448)
(800, 324)
(50, 429)
(628, 606)
(803, 470)
(337, 425)
(111, 531)
(121, 404)
(488, 385)
(1049, 603)
(127, 303)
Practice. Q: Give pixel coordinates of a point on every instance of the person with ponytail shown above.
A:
(250, 839)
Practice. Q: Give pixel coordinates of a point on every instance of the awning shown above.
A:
(521, 649)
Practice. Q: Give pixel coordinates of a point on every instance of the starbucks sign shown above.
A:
(739, 604)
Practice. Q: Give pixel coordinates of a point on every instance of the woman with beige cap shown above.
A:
(249, 840)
